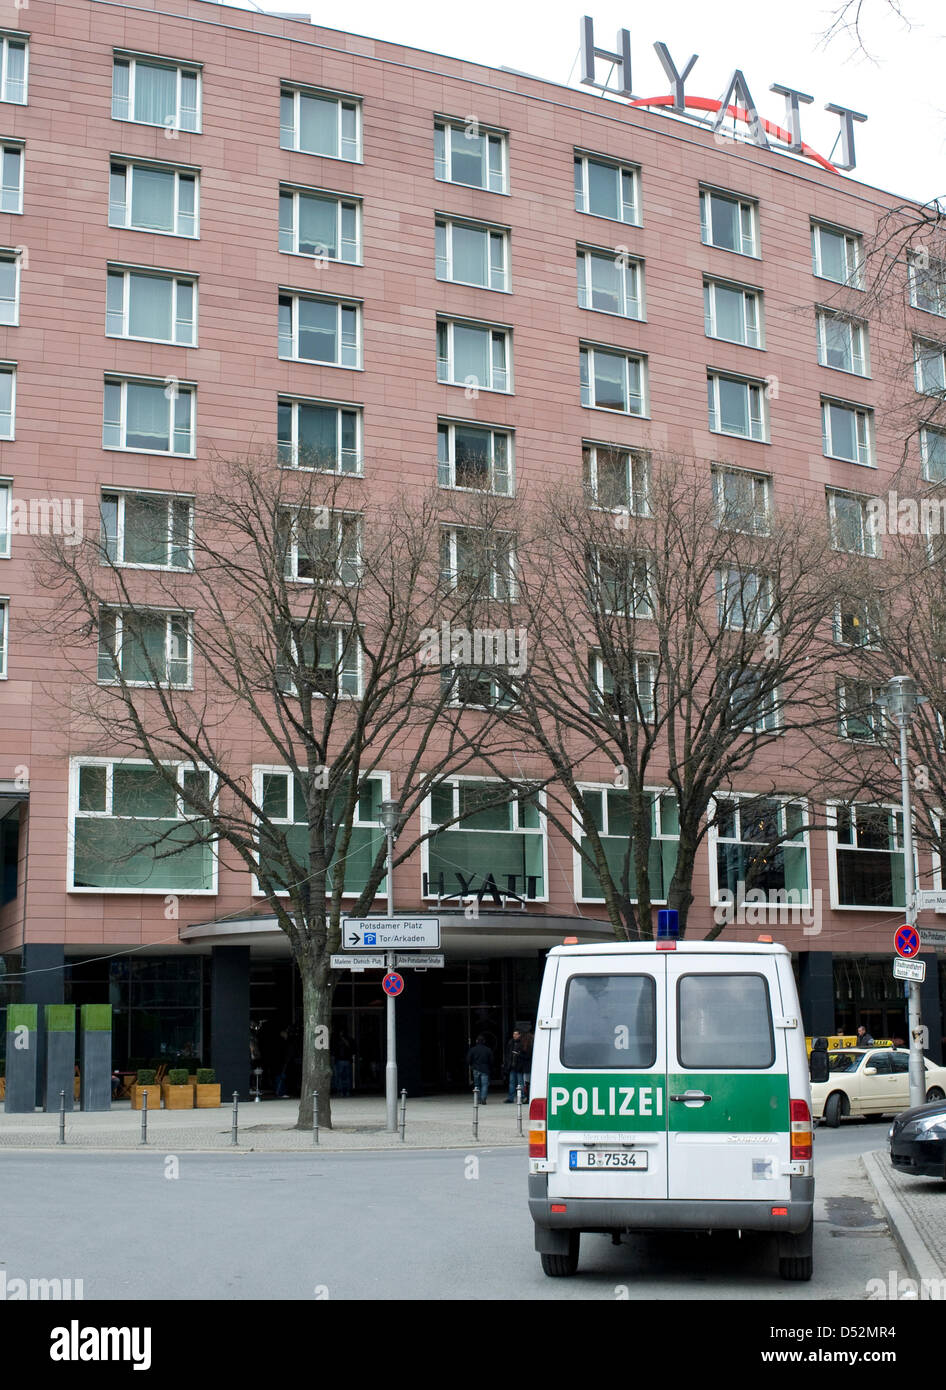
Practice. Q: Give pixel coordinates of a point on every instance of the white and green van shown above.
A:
(670, 1091)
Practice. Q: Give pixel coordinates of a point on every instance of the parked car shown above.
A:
(918, 1141)
(871, 1081)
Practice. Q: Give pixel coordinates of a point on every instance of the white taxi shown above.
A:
(871, 1081)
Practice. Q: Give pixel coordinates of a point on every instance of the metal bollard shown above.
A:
(476, 1112)
(62, 1117)
(144, 1116)
(403, 1114)
(233, 1133)
(257, 1072)
(519, 1110)
(315, 1117)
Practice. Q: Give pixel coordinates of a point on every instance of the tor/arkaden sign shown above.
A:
(736, 101)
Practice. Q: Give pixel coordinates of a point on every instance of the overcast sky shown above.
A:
(901, 148)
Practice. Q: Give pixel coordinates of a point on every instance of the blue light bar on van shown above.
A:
(668, 924)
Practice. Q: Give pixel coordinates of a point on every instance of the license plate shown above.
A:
(607, 1158)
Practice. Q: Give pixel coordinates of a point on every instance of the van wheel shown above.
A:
(795, 1258)
(833, 1109)
(557, 1266)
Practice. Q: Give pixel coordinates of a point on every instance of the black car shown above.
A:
(918, 1140)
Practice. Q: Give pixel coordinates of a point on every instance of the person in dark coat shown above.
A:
(480, 1061)
(515, 1065)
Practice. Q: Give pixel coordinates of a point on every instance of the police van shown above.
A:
(670, 1092)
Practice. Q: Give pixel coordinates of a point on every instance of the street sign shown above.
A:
(392, 984)
(418, 960)
(932, 936)
(359, 962)
(909, 970)
(906, 942)
(930, 897)
(391, 933)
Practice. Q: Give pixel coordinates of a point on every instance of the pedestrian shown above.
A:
(480, 1061)
(515, 1066)
(864, 1038)
(528, 1042)
(818, 1061)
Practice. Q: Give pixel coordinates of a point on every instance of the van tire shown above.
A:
(833, 1109)
(559, 1266)
(795, 1258)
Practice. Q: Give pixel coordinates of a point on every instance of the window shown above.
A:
(608, 190)
(319, 330)
(319, 224)
(842, 343)
(498, 849)
(724, 1021)
(282, 799)
(476, 457)
(5, 518)
(846, 432)
(743, 599)
(133, 832)
(629, 692)
(609, 811)
(149, 198)
(325, 661)
(320, 123)
(4, 626)
(477, 687)
(621, 581)
(7, 400)
(148, 530)
(479, 562)
(9, 288)
(933, 451)
(605, 1012)
(618, 479)
(612, 380)
(852, 524)
(474, 355)
(856, 624)
(156, 93)
(149, 417)
(611, 283)
(14, 61)
(860, 713)
(468, 154)
(728, 222)
(314, 434)
(867, 843)
(836, 255)
(736, 406)
(144, 647)
(755, 707)
(319, 545)
(156, 307)
(929, 364)
(732, 312)
(11, 177)
(743, 500)
(927, 283)
(759, 843)
(471, 254)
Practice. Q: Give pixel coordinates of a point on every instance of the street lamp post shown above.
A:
(901, 702)
(390, 819)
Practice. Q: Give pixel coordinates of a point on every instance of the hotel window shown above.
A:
(929, 364)
(148, 198)
(759, 843)
(933, 451)
(474, 355)
(325, 660)
(9, 288)
(616, 479)
(728, 222)
(151, 92)
(133, 832)
(869, 862)
(744, 600)
(14, 61)
(320, 123)
(144, 647)
(478, 562)
(471, 254)
(7, 400)
(852, 525)
(743, 500)
(630, 694)
(607, 190)
(736, 406)
(319, 224)
(612, 380)
(609, 812)
(319, 330)
(313, 434)
(611, 283)
(282, 798)
(755, 708)
(846, 432)
(836, 255)
(319, 546)
(856, 624)
(504, 842)
(147, 530)
(467, 153)
(860, 713)
(477, 687)
(11, 177)
(4, 626)
(6, 494)
(475, 457)
(732, 313)
(842, 343)
(927, 283)
(155, 307)
(149, 416)
(621, 581)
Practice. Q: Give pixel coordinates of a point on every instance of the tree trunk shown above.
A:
(317, 1032)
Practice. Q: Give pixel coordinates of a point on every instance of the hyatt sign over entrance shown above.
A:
(737, 91)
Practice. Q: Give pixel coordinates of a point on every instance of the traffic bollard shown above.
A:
(403, 1114)
(476, 1112)
(62, 1117)
(519, 1110)
(315, 1117)
(233, 1133)
(144, 1116)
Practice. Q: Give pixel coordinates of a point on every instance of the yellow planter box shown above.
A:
(207, 1097)
(178, 1097)
(154, 1097)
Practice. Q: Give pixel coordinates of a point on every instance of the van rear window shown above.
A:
(610, 1021)
(724, 1021)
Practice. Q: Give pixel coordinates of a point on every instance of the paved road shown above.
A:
(421, 1225)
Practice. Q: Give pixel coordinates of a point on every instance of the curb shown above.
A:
(316, 1151)
(919, 1258)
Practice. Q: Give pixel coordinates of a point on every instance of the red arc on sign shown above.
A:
(392, 983)
(907, 941)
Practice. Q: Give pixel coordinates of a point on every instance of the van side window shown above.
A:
(610, 1021)
(724, 1021)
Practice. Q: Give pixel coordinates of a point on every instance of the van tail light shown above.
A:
(538, 1147)
(801, 1130)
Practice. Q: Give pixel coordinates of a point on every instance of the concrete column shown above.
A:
(22, 1066)
(95, 1060)
(930, 1008)
(44, 982)
(408, 1015)
(60, 1058)
(230, 1019)
(816, 992)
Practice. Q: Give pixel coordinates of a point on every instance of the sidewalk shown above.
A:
(915, 1209)
(433, 1122)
